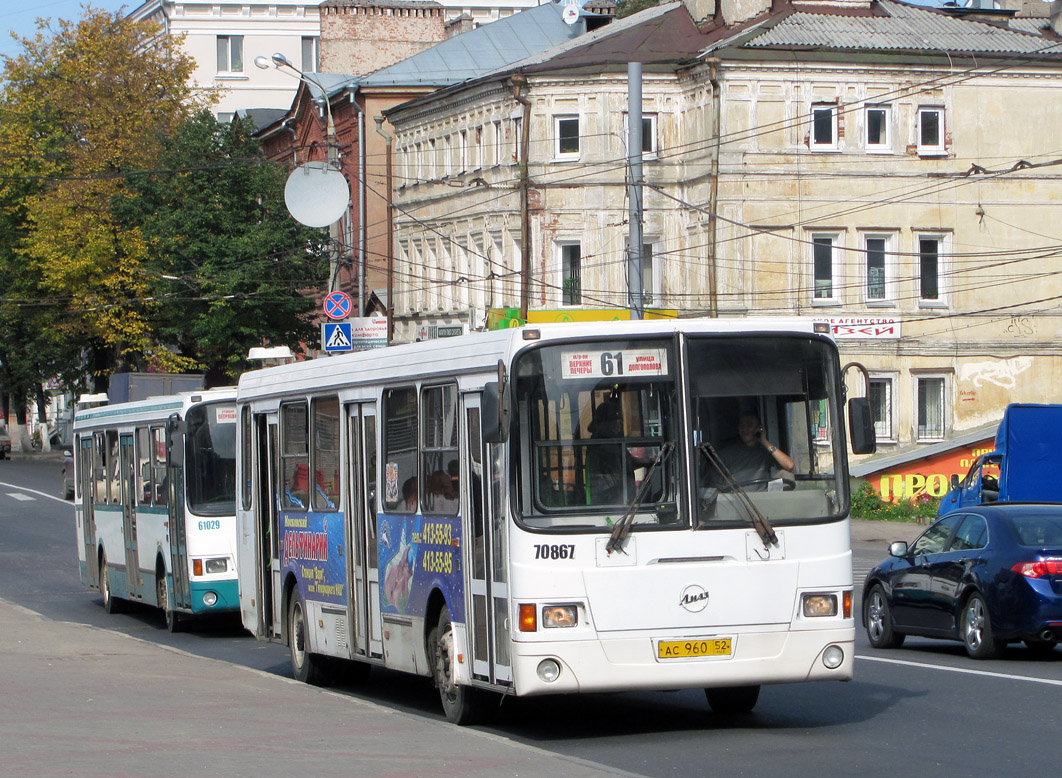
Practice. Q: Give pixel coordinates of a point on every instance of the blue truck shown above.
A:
(1024, 467)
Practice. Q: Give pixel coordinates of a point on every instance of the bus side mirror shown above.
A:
(175, 431)
(861, 426)
(495, 413)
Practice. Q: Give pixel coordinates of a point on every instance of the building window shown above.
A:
(823, 127)
(649, 146)
(824, 262)
(879, 128)
(571, 274)
(311, 55)
(651, 276)
(930, 408)
(930, 260)
(930, 131)
(881, 407)
(566, 131)
(879, 264)
(230, 53)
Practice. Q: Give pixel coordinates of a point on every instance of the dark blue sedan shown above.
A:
(986, 575)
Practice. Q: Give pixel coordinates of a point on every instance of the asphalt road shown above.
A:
(925, 707)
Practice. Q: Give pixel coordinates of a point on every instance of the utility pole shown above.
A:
(635, 297)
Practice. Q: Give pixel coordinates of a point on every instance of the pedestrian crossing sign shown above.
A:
(336, 336)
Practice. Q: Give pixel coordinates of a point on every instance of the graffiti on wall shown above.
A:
(1001, 372)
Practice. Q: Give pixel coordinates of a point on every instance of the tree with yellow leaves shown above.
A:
(77, 108)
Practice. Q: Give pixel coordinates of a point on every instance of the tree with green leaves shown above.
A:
(223, 258)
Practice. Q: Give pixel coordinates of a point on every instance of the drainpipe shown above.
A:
(390, 234)
(713, 196)
(518, 83)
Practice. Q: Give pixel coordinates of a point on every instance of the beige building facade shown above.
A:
(878, 165)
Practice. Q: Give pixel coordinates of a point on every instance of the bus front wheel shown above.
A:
(730, 700)
(461, 704)
(162, 593)
(111, 604)
(306, 667)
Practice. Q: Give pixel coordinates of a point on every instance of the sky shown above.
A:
(20, 16)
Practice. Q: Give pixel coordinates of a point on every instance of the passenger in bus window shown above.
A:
(409, 495)
(751, 460)
(442, 496)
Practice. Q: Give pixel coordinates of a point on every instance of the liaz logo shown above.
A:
(694, 598)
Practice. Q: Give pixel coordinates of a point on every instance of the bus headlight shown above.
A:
(210, 599)
(820, 605)
(560, 616)
(832, 657)
(217, 565)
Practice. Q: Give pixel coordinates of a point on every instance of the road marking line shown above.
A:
(967, 671)
(20, 496)
(33, 491)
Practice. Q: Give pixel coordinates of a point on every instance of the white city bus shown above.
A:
(458, 509)
(155, 502)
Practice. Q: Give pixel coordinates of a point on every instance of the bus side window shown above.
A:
(114, 487)
(294, 457)
(145, 475)
(158, 465)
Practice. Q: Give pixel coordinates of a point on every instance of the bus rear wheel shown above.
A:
(731, 700)
(461, 704)
(305, 667)
(111, 604)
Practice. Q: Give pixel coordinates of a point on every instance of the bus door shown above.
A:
(267, 528)
(175, 431)
(488, 575)
(87, 484)
(361, 524)
(127, 464)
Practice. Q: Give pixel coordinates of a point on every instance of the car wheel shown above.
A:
(877, 619)
(976, 630)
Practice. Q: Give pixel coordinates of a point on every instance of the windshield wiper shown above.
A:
(756, 519)
(623, 526)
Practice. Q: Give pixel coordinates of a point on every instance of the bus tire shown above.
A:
(162, 592)
(111, 604)
(305, 667)
(462, 705)
(732, 700)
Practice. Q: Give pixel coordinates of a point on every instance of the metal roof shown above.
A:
(482, 50)
(897, 26)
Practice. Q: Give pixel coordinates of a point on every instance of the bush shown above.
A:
(867, 504)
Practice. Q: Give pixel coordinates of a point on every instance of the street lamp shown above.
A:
(279, 61)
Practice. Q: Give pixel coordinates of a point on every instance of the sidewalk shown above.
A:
(84, 701)
(882, 533)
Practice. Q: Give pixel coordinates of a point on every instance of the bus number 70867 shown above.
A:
(554, 551)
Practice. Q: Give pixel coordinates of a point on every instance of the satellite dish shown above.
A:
(316, 194)
(570, 14)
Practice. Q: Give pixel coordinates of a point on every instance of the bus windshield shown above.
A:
(764, 412)
(593, 420)
(598, 417)
(210, 456)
